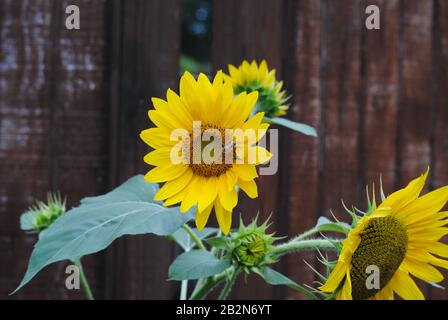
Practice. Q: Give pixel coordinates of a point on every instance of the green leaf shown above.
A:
(27, 221)
(219, 242)
(98, 221)
(296, 126)
(326, 225)
(196, 264)
(276, 278)
(135, 189)
(184, 240)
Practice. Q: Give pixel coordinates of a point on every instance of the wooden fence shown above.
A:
(72, 103)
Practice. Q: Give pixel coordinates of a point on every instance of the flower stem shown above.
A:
(84, 283)
(306, 234)
(184, 290)
(193, 236)
(205, 285)
(301, 245)
(229, 284)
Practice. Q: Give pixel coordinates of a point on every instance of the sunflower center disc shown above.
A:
(383, 244)
(214, 154)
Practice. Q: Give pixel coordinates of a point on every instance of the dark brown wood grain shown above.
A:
(52, 133)
(232, 43)
(303, 164)
(439, 123)
(72, 105)
(340, 120)
(415, 88)
(144, 64)
(378, 103)
(415, 99)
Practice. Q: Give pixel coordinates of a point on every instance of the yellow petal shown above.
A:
(158, 157)
(404, 196)
(254, 122)
(438, 248)
(209, 193)
(224, 217)
(202, 217)
(421, 270)
(165, 173)
(424, 206)
(245, 172)
(231, 179)
(384, 294)
(180, 109)
(431, 234)
(234, 73)
(178, 197)
(335, 278)
(163, 119)
(249, 187)
(232, 117)
(193, 193)
(405, 287)
(157, 137)
(228, 198)
(173, 187)
(346, 293)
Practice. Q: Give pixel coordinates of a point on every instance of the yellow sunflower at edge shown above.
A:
(252, 77)
(208, 185)
(401, 237)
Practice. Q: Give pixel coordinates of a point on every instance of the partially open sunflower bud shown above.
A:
(251, 246)
(41, 215)
(250, 77)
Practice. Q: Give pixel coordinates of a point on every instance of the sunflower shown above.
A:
(201, 107)
(253, 77)
(400, 237)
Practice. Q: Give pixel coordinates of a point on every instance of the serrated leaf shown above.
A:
(196, 264)
(276, 278)
(98, 221)
(183, 239)
(296, 126)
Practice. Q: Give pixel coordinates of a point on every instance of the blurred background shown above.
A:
(73, 102)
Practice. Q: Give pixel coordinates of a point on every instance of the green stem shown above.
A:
(193, 236)
(306, 234)
(84, 283)
(184, 290)
(206, 285)
(229, 284)
(301, 245)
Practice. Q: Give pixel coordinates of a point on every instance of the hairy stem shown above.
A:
(229, 284)
(301, 245)
(206, 285)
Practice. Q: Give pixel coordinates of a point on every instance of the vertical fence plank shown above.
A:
(378, 102)
(415, 99)
(80, 116)
(303, 165)
(52, 123)
(247, 30)
(439, 142)
(341, 116)
(414, 118)
(144, 64)
(25, 129)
